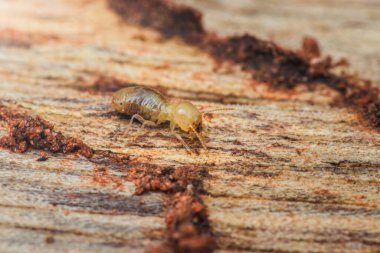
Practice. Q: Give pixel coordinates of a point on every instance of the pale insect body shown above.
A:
(151, 108)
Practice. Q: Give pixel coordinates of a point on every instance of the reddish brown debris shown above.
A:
(106, 157)
(267, 61)
(169, 19)
(43, 156)
(187, 224)
(27, 132)
(310, 48)
(188, 229)
(152, 178)
(34, 132)
(102, 177)
(106, 84)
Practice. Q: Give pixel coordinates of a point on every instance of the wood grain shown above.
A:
(288, 172)
(344, 28)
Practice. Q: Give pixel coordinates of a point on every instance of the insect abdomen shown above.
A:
(146, 102)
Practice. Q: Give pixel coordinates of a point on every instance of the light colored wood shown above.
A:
(285, 174)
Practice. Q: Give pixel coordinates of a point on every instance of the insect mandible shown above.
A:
(152, 108)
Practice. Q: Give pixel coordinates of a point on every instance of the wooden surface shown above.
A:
(344, 28)
(288, 173)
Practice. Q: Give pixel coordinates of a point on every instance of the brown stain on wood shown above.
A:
(15, 38)
(102, 177)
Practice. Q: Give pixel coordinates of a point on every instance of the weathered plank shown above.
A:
(285, 174)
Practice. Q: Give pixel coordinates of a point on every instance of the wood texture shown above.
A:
(288, 172)
(344, 28)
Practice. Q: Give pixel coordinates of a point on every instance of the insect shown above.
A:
(152, 108)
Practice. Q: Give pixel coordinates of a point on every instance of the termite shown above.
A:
(152, 108)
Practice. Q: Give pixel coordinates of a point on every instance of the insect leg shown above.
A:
(138, 117)
(200, 138)
(182, 141)
(146, 123)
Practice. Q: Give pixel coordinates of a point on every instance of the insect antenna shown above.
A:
(218, 109)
